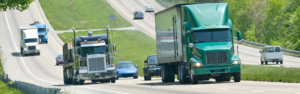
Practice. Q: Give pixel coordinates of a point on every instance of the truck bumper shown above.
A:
(44, 40)
(97, 76)
(273, 60)
(217, 70)
(31, 52)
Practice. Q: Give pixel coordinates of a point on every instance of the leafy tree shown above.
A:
(14, 4)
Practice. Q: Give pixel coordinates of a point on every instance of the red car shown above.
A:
(59, 60)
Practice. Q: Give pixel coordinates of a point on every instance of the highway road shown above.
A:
(41, 70)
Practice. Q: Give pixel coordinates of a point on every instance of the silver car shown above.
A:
(150, 8)
(138, 14)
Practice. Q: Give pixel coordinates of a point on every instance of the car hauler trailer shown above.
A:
(195, 41)
(88, 58)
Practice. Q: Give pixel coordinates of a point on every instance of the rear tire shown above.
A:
(172, 74)
(149, 76)
(261, 62)
(276, 62)
(281, 62)
(266, 62)
(237, 77)
(145, 77)
(21, 50)
(74, 80)
(165, 74)
(65, 77)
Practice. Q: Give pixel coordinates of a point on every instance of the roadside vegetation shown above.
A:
(132, 46)
(81, 14)
(4, 89)
(271, 22)
(270, 73)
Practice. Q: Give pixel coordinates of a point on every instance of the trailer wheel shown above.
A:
(179, 74)
(165, 73)
(21, 50)
(65, 77)
(276, 62)
(172, 74)
(149, 76)
(262, 62)
(280, 62)
(237, 77)
(266, 62)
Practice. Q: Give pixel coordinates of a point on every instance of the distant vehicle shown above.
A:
(42, 31)
(29, 40)
(151, 67)
(126, 69)
(150, 8)
(138, 14)
(271, 54)
(59, 59)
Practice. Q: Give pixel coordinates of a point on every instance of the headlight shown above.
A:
(236, 62)
(37, 47)
(197, 64)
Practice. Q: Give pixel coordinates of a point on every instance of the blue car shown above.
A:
(126, 69)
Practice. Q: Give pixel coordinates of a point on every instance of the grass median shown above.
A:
(132, 46)
(81, 14)
(4, 89)
(270, 73)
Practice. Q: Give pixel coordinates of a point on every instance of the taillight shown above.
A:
(281, 50)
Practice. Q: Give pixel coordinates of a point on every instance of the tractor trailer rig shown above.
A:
(195, 41)
(88, 58)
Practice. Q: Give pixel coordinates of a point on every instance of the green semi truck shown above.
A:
(195, 41)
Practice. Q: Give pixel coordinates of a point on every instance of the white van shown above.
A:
(271, 54)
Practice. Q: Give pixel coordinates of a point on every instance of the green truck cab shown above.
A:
(195, 41)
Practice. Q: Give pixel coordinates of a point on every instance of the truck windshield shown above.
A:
(212, 36)
(41, 29)
(30, 40)
(125, 65)
(152, 59)
(93, 50)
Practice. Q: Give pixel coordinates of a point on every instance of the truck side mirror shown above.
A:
(239, 35)
(260, 51)
(145, 61)
(114, 49)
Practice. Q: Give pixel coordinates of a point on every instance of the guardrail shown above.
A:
(165, 4)
(262, 45)
(28, 88)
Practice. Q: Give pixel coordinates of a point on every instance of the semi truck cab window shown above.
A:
(212, 36)
(93, 50)
(41, 29)
(30, 40)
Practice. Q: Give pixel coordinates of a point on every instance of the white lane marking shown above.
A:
(195, 86)
(144, 2)
(224, 88)
(257, 91)
(20, 54)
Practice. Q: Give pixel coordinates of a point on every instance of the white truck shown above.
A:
(29, 41)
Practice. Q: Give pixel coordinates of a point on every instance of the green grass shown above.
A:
(81, 14)
(270, 73)
(132, 46)
(4, 89)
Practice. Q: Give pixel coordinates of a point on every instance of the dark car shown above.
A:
(59, 60)
(126, 69)
(151, 67)
(138, 15)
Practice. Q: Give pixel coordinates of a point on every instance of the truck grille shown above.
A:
(220, 57)
(41, 36)
(97, 64)
(31, 47)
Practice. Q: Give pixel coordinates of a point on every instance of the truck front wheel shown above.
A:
(113, 80)
(237, 77)
(194, 79)
(183, 73)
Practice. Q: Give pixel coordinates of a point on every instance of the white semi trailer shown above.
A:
(29, 41)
